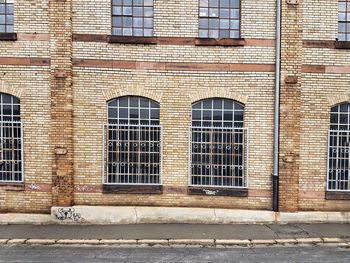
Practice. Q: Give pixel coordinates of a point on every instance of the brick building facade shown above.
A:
(70, 65)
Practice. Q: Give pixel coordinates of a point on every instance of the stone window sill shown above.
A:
(132, 40)
(216, 191)
(12, 186)
(337, 195)
(132, 189)
(8, 36)
(342, 44)
(219, 42)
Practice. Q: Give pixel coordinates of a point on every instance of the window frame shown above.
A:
(244, 154)
(338, 145)
(6, 19)
(113, 38)
(13, 124)
(8, 35)
(346, 33)
(225, 38)
(105, 150)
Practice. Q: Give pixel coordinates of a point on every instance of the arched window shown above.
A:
(338, 148)
(133, 142)
(218, 144)
(11, 146)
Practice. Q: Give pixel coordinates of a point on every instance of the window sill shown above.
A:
(219, 42)
(132, 40)
(8, 36)
(342, 44)
(337, 195)
(132, 189)
(12, 186)
(216, 191)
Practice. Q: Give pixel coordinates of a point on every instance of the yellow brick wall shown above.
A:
(175, 90)
(31, 86)
(31, 16)
(175, 18)
(320, 19)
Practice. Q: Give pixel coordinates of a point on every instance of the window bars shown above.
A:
(132, 143)
(338, 149)
(218, 145)
(132, 18)
(11, 140)
(6, 16)
(219, 18)
(344, 20)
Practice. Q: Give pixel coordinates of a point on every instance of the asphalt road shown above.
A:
(53, 254)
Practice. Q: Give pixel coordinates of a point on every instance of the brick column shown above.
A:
(291, 60)
(61, 101)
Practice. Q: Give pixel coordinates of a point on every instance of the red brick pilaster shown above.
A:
(61, 101)
(291, 58)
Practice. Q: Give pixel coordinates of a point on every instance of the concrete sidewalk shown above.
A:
(167, 234)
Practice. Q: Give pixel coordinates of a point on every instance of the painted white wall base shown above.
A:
(146, 215)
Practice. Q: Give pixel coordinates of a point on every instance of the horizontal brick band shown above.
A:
(326, 69)
(319, 44)
(172, 66)
(331, 44)
(21, 61)
(311, 195)
(258, 42)
(47, 188)
(33, 37)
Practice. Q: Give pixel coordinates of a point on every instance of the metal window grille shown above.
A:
(219, 18)
(344, 20)
(218, 145)
(132, 18)
(6, 16)
(11, 140)
(338, 149)
(133, 144)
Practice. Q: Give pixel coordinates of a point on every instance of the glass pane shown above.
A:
(148, 2)
(203, 12)
(203, 3)
(203, 33)
(203, 23)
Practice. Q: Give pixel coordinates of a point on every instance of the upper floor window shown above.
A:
(218, 144)
(219, 18)
(339, 148)
(132, 18)
(6, 16)
(133, 142)
(344, 20)
(11, 139)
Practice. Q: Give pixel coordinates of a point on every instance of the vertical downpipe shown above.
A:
(275, 179)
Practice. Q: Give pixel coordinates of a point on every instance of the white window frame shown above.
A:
(12, 122)
(338, 133)
(132, 127)
(245, 153)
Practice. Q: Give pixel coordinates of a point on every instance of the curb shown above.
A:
(183, 242)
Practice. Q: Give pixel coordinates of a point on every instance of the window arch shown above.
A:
(133, 142)
(11, 136)
(218, 144)
(338, 148)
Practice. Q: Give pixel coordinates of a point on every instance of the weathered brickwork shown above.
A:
(291, 57)
(61, 101)
(175, 91)
(64, 85)
(31, 86)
